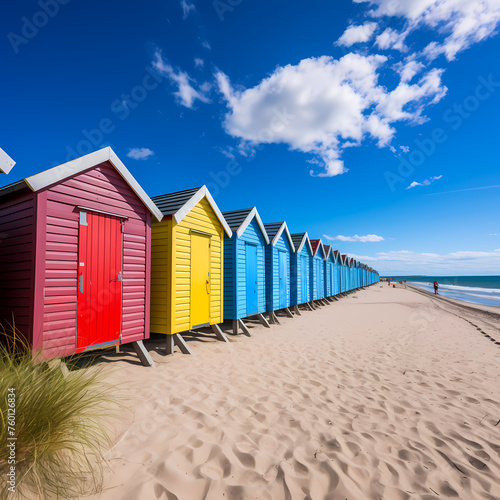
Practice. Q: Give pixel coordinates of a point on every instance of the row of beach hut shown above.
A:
(88, 260)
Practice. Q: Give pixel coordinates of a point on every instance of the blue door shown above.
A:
(283, 274)
(303, 279)
(252, 285)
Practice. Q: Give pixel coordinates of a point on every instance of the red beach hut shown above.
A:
(75, 249)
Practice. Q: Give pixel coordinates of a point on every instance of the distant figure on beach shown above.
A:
(389, 282)
(436, 286)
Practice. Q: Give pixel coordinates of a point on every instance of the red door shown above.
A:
(99, 280)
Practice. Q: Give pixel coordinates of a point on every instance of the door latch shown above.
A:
(80, 283)
(120, 277)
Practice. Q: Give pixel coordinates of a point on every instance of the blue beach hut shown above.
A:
(337, 272)
(330, 271)
(244, 267)
(318, 270)
(343, 274)
(301, 270)
(351, 274)
(278, 282)
(355, 282)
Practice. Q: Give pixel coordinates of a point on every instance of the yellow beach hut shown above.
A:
(187, 265)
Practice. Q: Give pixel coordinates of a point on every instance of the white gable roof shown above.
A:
(283, 227)
(253, 213)
(61, 172)
(6, 162)
(304, 239)
(203, 192)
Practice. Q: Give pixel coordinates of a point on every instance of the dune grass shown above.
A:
(59, 423)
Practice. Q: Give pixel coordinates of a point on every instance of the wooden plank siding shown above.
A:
(17, 262)
(272, 272)
(296, 275)
(330, 275)
(99, 188)
(171, 258)
(230, 278)
(337, 271)
(235, 303)
(317, 286)
(161, 275)
(343, 281)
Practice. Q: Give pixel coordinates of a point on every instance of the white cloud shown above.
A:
(408, 69)
(187, 7)
(372, 238)
(355, 34)
(391, 39)
(405, 149)
(206, 45)
(198, 62)
(458, 23)
(140, 153)
(186, 92)
(322, 106)
(427, 182)
(407, 102)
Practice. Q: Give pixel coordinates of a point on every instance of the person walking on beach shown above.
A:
(436, 286)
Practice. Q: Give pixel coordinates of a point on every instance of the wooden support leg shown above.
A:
(244, 328)
(288, 312)
(219, 334)
(235, 326)
(263, 320)
(296, 310)
(181, 344)
(274, 317)
(143, 353)
(170, 344)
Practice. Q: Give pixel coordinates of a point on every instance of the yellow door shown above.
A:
(200, 279)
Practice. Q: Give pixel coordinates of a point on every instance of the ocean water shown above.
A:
(477, 289)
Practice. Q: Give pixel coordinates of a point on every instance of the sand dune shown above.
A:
(385, 394)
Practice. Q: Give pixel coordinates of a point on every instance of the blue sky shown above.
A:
(321, 114)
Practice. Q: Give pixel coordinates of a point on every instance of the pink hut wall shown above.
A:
(17, 261)
(100, 188)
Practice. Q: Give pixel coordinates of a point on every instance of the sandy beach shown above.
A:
(385, 394)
